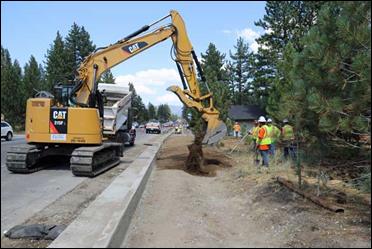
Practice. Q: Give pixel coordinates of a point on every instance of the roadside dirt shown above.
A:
(234, 205)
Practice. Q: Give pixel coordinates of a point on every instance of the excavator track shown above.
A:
(23, 159)
(93, 160)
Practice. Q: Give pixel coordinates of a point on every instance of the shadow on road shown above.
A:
(56, 163)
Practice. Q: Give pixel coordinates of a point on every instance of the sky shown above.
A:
(29, 28)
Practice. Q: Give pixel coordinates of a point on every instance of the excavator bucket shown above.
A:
(216, 130)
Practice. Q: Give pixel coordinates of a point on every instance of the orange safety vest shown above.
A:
(236, 127)
(263, 138)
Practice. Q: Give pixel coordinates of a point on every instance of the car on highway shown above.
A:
(153, 127)
(178, 129)
(6, 131)
(168, 124)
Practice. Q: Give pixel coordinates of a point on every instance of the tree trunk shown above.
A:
(315, 199)
(195, 159)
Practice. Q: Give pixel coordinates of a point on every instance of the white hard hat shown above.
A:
(269, 120)
(285, 120)
(261, 119)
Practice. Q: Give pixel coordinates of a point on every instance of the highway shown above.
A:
(23, 195)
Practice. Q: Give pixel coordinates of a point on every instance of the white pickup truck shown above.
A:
(153, 127)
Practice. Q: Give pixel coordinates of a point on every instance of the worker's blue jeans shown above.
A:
(290, 150)
(254, 148)
(236, 133)
(272, 149)
(265, 157)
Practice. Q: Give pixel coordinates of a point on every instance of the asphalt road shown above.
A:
(24, 195)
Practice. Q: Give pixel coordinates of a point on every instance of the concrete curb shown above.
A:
(105, 221)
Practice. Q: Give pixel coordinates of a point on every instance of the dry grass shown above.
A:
(284, 213)
(247, 166)
(313, 179)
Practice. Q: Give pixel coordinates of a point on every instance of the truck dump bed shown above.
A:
(116, 108)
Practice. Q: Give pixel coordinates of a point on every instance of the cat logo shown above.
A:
(59, 114)
(132, 48)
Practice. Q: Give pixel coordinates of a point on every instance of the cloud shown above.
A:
(151, 85)
(142, 89)
(248, 34)
(146, 81)
(254, 46)
(169, 98)
(269, 31)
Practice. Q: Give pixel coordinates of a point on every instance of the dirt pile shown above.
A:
(191, 158)
(195, 159)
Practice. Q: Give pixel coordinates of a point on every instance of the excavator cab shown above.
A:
(62, 94)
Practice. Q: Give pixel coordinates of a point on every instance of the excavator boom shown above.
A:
(86, 93)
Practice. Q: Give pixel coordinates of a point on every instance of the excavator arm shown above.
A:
(86, 94)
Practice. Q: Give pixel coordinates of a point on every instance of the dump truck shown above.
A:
(117, 115)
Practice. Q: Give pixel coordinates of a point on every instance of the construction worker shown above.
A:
(254, 133)
(274, 133)
(236, 129)
(263, 141)
(288, 140)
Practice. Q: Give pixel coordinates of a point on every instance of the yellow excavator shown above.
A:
(74, 127)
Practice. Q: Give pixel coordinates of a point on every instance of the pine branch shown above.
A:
(342, 113)
(350, 71)
(343, 141)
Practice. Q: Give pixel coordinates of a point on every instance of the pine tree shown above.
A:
(56, 70)
(213, 62)
(152, 111)
(19, 105)
(284, 22)
(6, 63)
(241, 65)
(140, 113)
(174, 117)
(164, 113)
(32, 79)
(78, 45)
(107, 77)
(12, 100)
(43, 82)
(330, 78)
(6, 83)
(185, 113)
(230, 80)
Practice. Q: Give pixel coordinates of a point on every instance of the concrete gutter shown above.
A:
(105, 221)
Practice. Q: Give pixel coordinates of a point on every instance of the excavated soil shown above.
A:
(175, 157)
